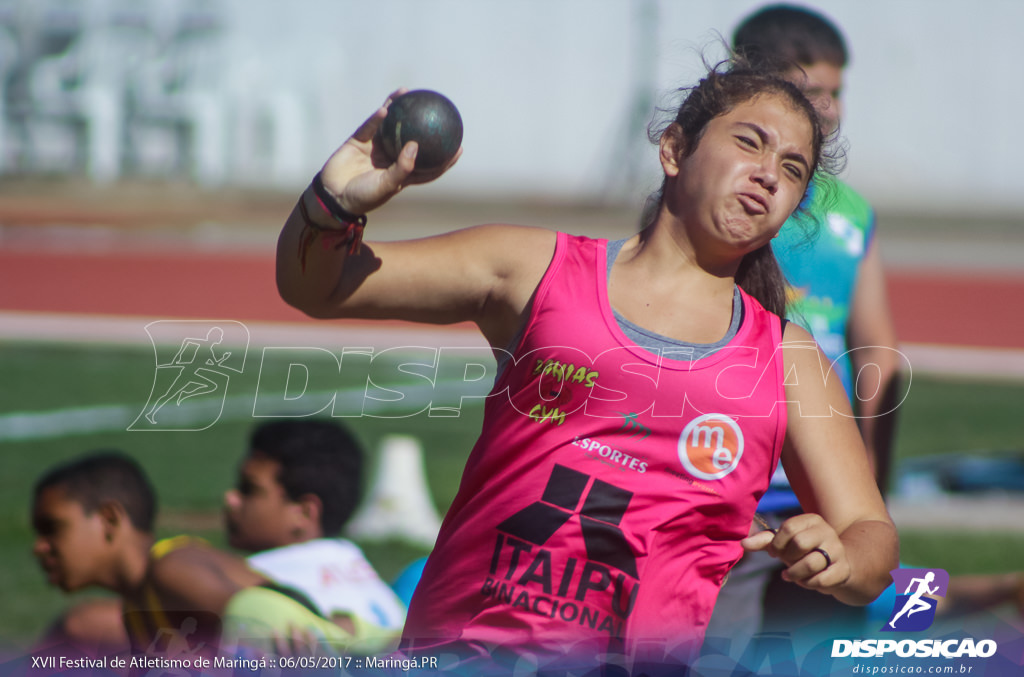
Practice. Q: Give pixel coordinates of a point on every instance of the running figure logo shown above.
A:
(914, 609)
(190, 385)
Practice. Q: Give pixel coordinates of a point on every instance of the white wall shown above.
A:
(548, 88)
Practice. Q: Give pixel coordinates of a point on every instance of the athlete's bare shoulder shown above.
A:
(517, 250)
(515, 261)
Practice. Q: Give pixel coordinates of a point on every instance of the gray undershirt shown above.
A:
(670, 347)
(648, 340)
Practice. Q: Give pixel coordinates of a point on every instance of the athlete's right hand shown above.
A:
(359, 174)
(812, 551)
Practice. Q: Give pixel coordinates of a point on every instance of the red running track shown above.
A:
(936, 308)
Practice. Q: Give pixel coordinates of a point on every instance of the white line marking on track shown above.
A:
(956, 361)
(56, 423)
(122, 330)
(976, 362)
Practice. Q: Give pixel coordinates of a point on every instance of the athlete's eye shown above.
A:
(747, 141)
(795, 171)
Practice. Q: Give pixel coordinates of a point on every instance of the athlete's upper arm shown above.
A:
(824, 455)
(484, 274)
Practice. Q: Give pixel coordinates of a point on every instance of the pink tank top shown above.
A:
(604, 501)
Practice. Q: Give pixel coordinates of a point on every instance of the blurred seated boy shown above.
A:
(93, 518)
(298, 485)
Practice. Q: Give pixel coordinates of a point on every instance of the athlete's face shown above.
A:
(822, 83)
(747, 175)
(258, 513)
(71, 545)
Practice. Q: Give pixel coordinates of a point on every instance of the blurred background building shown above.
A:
(556, 94)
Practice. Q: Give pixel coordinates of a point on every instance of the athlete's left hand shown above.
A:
(361, 177)
(811, 549)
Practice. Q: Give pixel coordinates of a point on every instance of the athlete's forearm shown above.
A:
(872, 547)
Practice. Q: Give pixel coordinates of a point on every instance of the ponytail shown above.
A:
(760, 276)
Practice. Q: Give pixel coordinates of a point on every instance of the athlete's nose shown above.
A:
(767, 176)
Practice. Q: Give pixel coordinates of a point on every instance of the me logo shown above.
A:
(600, 514)
(193, 368)
(710, 446)
(913, 611)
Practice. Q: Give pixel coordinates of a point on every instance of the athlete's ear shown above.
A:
(671, 148)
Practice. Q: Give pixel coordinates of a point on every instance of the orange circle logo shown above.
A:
(710, 446)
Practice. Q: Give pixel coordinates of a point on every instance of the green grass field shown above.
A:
(191, 469)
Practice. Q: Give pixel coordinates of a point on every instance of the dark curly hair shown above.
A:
(728, 84)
